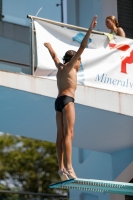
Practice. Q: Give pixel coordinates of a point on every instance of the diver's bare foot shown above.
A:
(63, 175)
(71, 174)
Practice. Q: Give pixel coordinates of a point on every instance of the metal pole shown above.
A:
(0, 10)
(1, 16)
(61, 5)
(32, 46)
(62, 18)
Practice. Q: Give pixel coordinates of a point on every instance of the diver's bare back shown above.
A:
(66, 80)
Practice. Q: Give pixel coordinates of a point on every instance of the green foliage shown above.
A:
(30, 165)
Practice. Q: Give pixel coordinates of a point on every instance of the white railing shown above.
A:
(63, 24)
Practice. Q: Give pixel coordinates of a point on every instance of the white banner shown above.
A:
(105, 64)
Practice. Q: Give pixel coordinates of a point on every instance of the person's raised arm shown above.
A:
(84, 42)
(92, 26)
(53, 54)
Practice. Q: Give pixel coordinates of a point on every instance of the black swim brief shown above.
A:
(62, 101)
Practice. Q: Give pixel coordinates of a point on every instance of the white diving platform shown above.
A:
(92, 185)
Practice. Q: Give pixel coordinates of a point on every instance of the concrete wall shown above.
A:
(125, 176)
(102, 166)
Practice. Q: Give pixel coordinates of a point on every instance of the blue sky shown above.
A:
(16, 11)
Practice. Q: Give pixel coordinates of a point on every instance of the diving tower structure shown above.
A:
(103, 142)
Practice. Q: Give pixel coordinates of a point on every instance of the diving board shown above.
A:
(92, 185)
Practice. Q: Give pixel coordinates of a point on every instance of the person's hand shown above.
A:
(46, 44)
(94, 22)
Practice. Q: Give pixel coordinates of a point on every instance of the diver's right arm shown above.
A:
(53, 54)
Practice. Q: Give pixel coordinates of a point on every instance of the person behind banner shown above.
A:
(113, 25)
(64, 103)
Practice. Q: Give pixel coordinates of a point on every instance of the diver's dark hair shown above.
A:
(68, 56)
